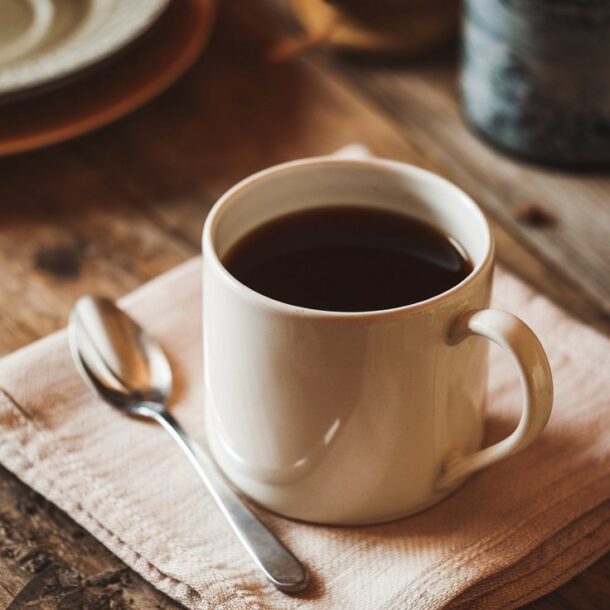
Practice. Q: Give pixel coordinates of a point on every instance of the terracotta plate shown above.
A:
(112, 90)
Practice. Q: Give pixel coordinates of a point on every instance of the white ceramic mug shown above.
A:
(349, 418)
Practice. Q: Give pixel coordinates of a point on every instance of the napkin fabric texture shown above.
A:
(509, 535)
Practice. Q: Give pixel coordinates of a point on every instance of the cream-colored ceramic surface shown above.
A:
(23, 26)
(82, 33)
(352, 418)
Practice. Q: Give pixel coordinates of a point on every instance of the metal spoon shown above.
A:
(124, 365)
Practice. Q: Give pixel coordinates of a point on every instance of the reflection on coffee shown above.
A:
(347, 258)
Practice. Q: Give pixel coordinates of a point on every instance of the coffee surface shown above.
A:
(347, 258)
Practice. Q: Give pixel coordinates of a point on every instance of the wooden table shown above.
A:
(109, 211)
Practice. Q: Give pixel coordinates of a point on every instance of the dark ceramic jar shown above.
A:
(536, 77)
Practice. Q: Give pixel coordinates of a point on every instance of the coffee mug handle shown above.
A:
(510, 333)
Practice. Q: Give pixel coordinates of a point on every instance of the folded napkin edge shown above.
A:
(14, 456)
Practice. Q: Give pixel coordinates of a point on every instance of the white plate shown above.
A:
(81, 33)
(24, 24)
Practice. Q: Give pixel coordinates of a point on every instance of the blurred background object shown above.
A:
(536, 78)
(404, 27)
(59, 39)
(23, 26)
(96, 61)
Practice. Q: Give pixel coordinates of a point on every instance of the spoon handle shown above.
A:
(275, 560)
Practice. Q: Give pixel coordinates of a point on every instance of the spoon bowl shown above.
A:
(117, 359)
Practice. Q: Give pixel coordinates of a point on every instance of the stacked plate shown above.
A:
(70, 66)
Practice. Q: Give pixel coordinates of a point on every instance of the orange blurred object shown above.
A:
(405, 27)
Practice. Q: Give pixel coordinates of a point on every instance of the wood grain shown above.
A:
(111, 210)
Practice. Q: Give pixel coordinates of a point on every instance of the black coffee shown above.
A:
(347, 258)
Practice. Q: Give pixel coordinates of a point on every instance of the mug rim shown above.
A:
(412, 171)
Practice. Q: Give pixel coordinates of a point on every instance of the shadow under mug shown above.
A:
(356, 417)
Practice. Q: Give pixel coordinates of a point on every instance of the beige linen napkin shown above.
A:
(509, 535)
